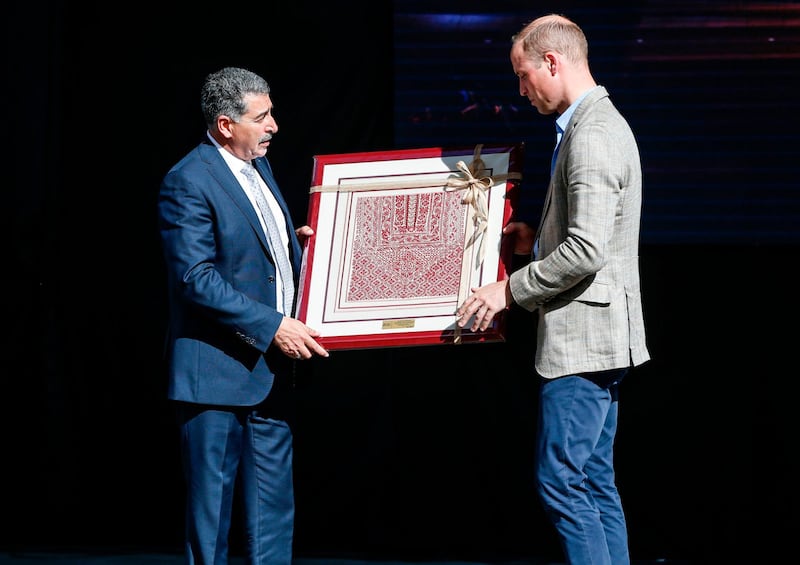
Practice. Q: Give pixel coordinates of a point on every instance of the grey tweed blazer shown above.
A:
(585, 282)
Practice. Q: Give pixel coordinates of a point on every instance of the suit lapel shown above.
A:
(220, 171)
(295, 252)
(264, 170)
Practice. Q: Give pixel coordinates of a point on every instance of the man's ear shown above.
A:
(224, 126)
(552, 63)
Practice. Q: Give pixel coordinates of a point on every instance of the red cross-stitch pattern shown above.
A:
(407, 246)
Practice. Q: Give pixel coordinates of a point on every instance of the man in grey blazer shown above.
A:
(232, 341)
(583, 279)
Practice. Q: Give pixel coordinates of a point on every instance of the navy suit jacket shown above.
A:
(221, 280)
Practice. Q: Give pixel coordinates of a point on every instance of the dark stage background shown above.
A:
(419, 452)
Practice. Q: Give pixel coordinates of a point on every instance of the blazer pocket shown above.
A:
(595, 293)
(588, 291)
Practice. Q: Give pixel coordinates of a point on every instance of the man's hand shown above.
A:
(303, 233)
(524, 236)
(296, 340)
(484, 303)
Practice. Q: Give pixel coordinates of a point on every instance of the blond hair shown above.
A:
(553, 32)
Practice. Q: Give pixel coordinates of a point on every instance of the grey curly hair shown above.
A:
(224, 93)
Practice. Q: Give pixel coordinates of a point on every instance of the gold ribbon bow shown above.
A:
(475, 196)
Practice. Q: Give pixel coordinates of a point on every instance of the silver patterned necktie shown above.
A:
(273, 237)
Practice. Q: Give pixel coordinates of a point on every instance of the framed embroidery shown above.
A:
(400, 239)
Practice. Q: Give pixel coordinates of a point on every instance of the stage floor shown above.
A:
(43, 558)
(93, 558)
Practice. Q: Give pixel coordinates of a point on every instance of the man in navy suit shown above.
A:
(231, 345)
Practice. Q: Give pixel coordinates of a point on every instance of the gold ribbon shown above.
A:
(476, 166)
(475, 196)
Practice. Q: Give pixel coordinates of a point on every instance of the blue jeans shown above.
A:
(575, 466)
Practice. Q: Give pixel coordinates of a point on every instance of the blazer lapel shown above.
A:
(584, 107)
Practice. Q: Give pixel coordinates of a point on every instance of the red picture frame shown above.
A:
(400, 238)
